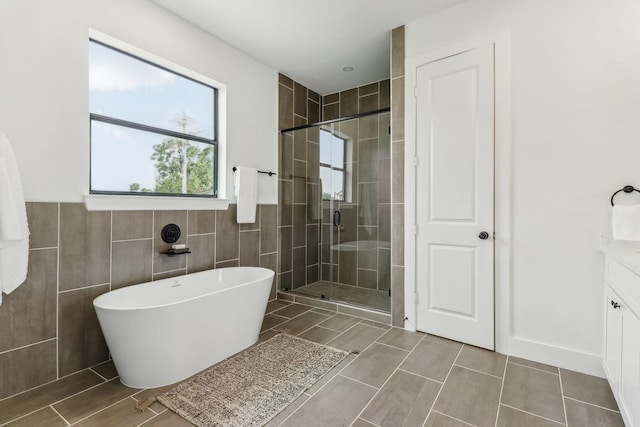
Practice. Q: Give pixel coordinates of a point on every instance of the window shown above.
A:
(332, 172)
(153, 131)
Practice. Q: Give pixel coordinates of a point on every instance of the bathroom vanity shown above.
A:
(621, 355)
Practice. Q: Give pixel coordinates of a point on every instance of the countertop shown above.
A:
(625, 253)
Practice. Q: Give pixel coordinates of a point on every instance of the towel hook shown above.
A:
(626, 189)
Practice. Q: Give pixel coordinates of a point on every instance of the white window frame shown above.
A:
(96, 202)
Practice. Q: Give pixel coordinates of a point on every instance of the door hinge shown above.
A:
(415, 91)
(415, 297)
(416, 161)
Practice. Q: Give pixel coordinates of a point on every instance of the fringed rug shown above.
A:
(253, 386)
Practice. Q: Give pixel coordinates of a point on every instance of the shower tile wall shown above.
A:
(300, 231)
(298, 224)
(397, 176)
(49, 325)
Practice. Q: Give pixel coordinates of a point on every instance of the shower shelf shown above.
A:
(174, 252)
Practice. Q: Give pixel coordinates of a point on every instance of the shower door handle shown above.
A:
(336, 218)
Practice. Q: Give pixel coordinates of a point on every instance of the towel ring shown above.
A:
(626, 189)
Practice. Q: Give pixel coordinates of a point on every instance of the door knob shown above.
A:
(484, 235)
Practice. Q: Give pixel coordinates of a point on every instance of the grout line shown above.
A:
(132, 240)
(42, 385)
(340, 374)
(532, 414)
(58, 299)
(96, 372)
(443, 382)
(23, 347)
(537, 369)
(390, 375)
(479, 372)
(591, 404)
(366, 421)
(421, 376)
(13, 420)
(85, 287)
(102, 409)
(60, 415)
(153, 242)
(453, 418)
(43, 249)
(393, 346)
(504, 374)
(110, 249)
(564, 407)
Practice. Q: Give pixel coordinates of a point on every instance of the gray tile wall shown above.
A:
(298, 225)
(49, 327)
(397, 176)
(362, 99)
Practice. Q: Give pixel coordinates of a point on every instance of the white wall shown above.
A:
(44, 88)
(575, 139)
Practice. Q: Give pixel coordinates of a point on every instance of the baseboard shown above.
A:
(567, 358)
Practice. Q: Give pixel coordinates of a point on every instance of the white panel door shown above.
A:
(455, 200)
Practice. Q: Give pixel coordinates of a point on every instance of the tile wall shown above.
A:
(397, 176)
(298, 106)
(362, 99)
(49, 327)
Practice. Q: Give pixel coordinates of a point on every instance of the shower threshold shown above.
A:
(347, 294)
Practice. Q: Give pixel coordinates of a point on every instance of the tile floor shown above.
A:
(399, 378)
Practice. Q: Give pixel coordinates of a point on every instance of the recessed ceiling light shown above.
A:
(347, 69)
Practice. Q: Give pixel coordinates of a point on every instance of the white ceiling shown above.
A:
(310, 41)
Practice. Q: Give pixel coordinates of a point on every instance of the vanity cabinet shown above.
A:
(621, 358)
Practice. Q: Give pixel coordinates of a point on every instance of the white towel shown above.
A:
(246, 183)
(626, 222)
(14, 230)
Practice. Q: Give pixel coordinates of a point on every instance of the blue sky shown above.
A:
(129, 89)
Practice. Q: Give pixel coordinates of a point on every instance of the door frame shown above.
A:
(502, 184)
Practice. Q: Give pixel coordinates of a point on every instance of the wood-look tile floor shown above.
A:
(398, 378)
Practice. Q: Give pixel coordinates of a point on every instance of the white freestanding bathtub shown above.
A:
(162, 332)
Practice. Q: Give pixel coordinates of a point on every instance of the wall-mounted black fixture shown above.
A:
(170, 233)
(264, 172)
(626, 189)
(174, 252)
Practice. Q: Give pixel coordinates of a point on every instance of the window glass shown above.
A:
(332, 170)
(152, 130)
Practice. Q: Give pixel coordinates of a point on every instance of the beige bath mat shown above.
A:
(253, 386)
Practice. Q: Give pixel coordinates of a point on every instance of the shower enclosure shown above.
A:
(335, 194)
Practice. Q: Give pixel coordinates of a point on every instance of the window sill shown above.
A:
(95, 202)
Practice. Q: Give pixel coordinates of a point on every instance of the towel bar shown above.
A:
(626, 189)
(264, 172)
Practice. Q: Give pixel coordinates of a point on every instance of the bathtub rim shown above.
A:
(96, 305)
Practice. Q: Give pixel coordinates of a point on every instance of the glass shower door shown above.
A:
(335, 210)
